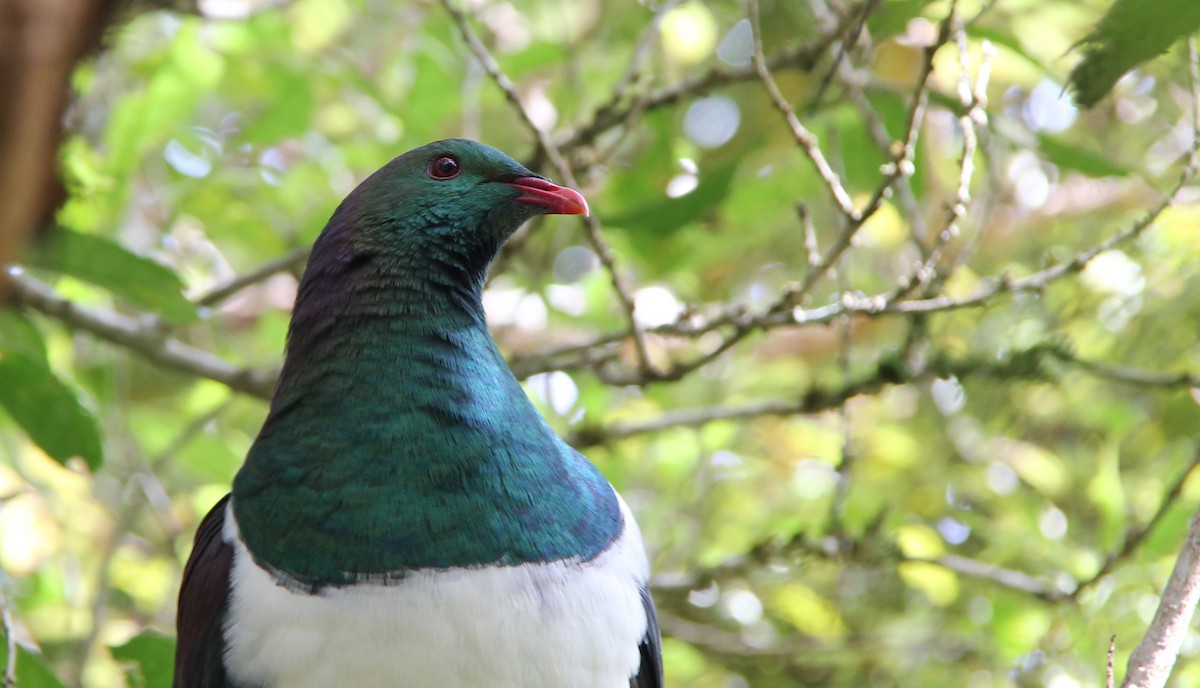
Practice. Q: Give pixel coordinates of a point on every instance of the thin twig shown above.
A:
(902, 166)
(841, 49)
(883, 141)
(780, 314)
(805, 138)
(1039, 280)
(614, 113)
(1109, 674)
(10, 643)
(1194, 87)
(974, 102)
(774, 550)
(814, 400)
(645, 45)
(287, 261)
(1136, 536)
(854, 219)
(632, 77)
(552, 152)
(811, 248)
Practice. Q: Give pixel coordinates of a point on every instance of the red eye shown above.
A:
(443, 167)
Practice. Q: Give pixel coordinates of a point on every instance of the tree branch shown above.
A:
(1152, 661)
(1005, 577)
(745, 322)
(1029, 364)
(142, 337)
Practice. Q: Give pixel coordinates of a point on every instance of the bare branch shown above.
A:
(1153, 659)
(974, 102)
(1109, 674)
(898, 168)
(551, 150)
(1039, 280)
(142, 337)
(807, 141)
(772, 550)
(1194, 87)
(814, 400)
(1135, 536)
(811, 249)
(646, 43)
(287, 261)
(615, 112)
(1008, 578)
(10, 644)
(857, 95)
(1030, 364)
(781, 314)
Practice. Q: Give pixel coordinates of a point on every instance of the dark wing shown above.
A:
(650, 673)
(203, 597)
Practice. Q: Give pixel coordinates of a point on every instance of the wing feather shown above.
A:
(203, 598)
(650, 673)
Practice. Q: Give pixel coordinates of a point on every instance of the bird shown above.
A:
(405, 516)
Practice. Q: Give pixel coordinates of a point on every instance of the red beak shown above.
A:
(559, 199)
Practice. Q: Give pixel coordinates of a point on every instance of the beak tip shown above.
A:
(558, 200)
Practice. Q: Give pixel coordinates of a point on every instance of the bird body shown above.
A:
(406, 517)
(530, 626)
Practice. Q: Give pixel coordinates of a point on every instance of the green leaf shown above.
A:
(1132, 32)
(534, 57)
(32, 671)
(289, 105)
(1005, 39)
(19, 336)
(158, 110)
(660, 217)
(48, 410)
(893, 16)
(149, 658)
(1071, 157)
(653, 227)
(105, 263)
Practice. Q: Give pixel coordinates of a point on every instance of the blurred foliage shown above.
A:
(936, 497)
(1129, 34)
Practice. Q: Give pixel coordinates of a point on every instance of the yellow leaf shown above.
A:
(938, 584)
(920, 541)
(808, 612)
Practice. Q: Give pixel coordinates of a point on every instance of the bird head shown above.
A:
(453, 193)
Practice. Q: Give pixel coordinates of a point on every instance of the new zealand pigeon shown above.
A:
(405, 517)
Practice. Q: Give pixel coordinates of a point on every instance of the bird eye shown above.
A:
(443, 167)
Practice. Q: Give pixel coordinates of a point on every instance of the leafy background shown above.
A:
(911, 396)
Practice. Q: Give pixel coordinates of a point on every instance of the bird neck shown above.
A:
(398, 439)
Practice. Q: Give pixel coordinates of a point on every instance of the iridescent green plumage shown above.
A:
(398, 439)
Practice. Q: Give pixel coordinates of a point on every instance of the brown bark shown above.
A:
(40, 43)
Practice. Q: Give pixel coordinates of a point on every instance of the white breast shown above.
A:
(558, 625)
